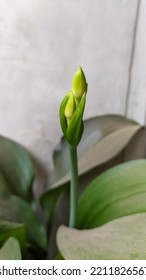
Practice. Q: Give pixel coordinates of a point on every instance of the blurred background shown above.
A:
(42, 43)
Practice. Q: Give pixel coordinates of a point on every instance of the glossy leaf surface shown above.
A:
(117, 192)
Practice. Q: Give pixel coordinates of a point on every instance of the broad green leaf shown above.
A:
(104, 150)
(17, 167)
(9, 229)
(117, 192)
(95, 129)
(11, 250)
(121, 239)
(15, 209)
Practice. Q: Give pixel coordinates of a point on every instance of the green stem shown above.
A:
(73, 186)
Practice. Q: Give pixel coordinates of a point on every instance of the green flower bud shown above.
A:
(70, 106)
(79, 85)
(75, 127)
(71, 111)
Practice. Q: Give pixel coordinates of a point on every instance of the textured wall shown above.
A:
(42, 44)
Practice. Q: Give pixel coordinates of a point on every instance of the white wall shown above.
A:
(42, 42)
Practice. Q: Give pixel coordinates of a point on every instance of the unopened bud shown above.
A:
(72, 109)
(70, 106)
(79, 85)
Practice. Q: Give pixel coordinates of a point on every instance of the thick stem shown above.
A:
(73, 186)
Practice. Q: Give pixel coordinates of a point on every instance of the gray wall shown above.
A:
(42, 44)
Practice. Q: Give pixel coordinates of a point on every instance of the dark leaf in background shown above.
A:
(9, 229)
(15, 209)
(4, 186)
(17, 168)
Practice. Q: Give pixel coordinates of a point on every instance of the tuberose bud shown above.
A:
(72, 109)
(70, 105)
(79, 85)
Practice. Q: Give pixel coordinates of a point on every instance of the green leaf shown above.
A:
(104, 150)
(17, 167)
(118, 192)
(35, 229)
(95, 129)
(9, 229)
(4, 187)
(11, 250)
(121, 239)
(15, 209)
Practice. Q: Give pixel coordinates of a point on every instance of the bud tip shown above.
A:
(79, 85)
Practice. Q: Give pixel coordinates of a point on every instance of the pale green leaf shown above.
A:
(11, 250)
(121, 239)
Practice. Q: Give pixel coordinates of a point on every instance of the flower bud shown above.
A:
(79, 85)
(70, 105)
(72, 109)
